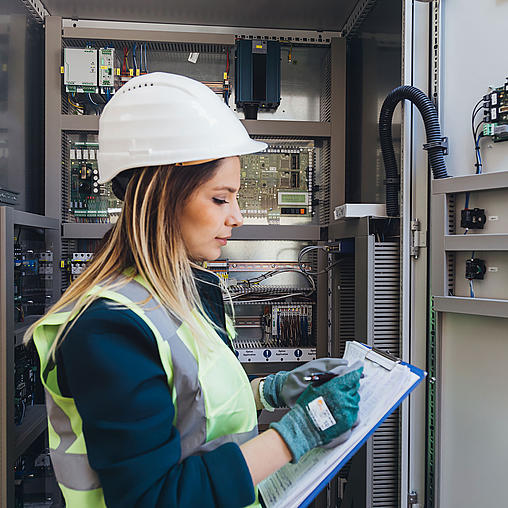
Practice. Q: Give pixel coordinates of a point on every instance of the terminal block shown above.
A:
(79, 262)
(475, 269)
(474, 218)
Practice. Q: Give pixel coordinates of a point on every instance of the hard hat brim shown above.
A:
(133, 160)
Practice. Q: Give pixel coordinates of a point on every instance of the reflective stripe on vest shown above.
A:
(213, 400)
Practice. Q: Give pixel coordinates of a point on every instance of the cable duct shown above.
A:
(436, 145)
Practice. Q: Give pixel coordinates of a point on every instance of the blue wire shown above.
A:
(480, 164)
(134, 57)
(471, 290)
(467, 200)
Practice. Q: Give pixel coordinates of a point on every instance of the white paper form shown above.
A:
(380, 388)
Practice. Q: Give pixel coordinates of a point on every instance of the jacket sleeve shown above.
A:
(114, 373)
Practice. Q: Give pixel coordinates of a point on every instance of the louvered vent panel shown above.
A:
(346, 303)
(66, 178)
(324, 201)
(386, 440)
(165, 47)
(450, 256)
(325, 106)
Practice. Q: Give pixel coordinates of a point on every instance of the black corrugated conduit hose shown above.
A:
(436, 145)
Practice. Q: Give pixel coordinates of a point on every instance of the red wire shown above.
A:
(124, 65)
(227, 61)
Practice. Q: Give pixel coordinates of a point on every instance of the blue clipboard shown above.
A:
(421, 376)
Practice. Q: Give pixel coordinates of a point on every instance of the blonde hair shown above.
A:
(145, 241)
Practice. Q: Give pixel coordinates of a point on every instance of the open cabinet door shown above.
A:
(416, 71)
(470, 332)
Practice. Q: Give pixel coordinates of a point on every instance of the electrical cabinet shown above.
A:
(303, 275)
(27, 253)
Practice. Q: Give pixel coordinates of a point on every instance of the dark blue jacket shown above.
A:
(109, 363)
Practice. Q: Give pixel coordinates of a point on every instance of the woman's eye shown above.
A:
(219, 201)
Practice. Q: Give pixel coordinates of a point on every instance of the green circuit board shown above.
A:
(89, 201)
(277, 183)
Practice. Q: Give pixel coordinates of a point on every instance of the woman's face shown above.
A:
(212, 212)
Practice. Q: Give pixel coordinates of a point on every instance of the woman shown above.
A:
(147, 403)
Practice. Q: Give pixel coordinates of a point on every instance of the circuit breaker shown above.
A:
(106, 69)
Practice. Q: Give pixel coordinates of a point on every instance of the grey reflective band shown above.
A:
(72, 470)
(190, 402)
(239, 438)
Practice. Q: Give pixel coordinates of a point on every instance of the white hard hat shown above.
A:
(162, 118)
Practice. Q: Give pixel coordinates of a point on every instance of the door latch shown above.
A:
(419, 238)
(412, 499)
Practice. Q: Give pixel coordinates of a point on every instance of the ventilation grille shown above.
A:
(325, 105)
(452, 209)
(450, 256)
(325, 169)
(66, 178)
(450, 280)
(387, 297)
(385, 464)
(172, 47)
(346, 302)
(386, 440)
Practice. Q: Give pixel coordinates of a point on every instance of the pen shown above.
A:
(319, 378)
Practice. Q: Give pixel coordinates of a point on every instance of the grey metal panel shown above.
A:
(21, 129)
(248, 232)
(84, 231)
(464, 339)
(285, 35)
(338, 125)
(88, 123)
(292, 128)
(53, 138)
(146, 35)
(476, 242)
(493, 201)
(37, 221)
(322, 324)
(255, 232)
(348, 228)
(15, 127)
(495, 282)
(484, 181)
(472, 306)
(287, 128)
(320, 15)
(364, 289)
(6, 357)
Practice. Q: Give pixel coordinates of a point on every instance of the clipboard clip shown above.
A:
(386, 354)
(382, 358)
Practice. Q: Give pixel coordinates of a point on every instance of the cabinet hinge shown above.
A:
(418, 238)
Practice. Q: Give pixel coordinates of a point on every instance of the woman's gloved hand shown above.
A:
(322, 415)
(282, 389)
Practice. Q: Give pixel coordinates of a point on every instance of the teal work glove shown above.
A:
(323, 415)
(282, 389)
